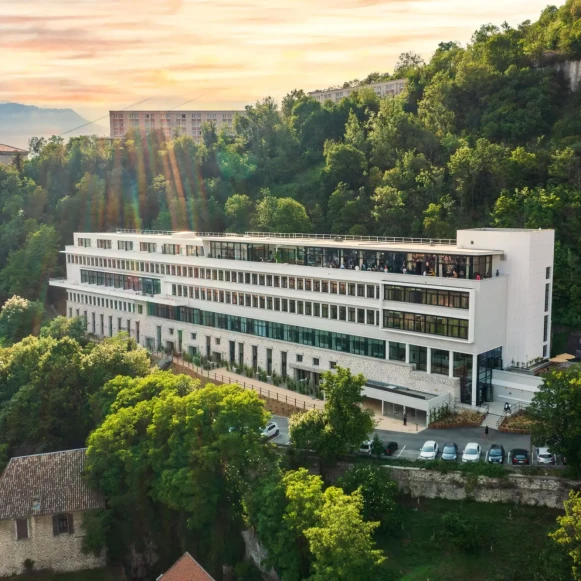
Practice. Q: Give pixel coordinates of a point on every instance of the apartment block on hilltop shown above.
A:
(426, 321)
(170, 122)
(43, 500)
(383, 89)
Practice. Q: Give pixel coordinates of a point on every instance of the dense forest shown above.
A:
(485, 135)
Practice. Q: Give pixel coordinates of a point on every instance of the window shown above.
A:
(104, 244)
(125, 245)
(397, 351)
(315, 361)
(148, 247)
(547, 295)
(86, 242)
(548, 273)
(171, 249)
(546, 328)
(22, 529)
(370, 291)
(193, 336)
(426, 296)
(332, 364)
(62, 524)
(544, 351)
(429, 324)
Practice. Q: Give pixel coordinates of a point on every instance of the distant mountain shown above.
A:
(18, 123)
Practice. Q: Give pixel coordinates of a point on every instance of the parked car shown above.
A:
(429, 450)
(519, 456)
(386, 448)
(365, 447)
(471, 453)
(270, 431)
(544, 456)
(496, 454)
(450, 452)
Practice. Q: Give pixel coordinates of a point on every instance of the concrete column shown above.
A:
(429, 360)
(407, 352)
(382, 408)
(474, 377)
(451, 370)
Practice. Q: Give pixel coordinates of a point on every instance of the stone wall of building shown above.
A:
(530, 490)
(61, 553)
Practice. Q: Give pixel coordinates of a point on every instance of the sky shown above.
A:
(96, 55)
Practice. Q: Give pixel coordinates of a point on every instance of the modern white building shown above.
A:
(425, 321)
(382, 89)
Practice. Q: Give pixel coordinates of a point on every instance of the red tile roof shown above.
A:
(11, 150)
(186, 568)
(46, 484)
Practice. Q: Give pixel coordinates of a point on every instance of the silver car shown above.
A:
(544, 456)
(429, 450)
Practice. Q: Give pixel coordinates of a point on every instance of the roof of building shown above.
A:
(186, 568)
(46, 484)
(8, 149)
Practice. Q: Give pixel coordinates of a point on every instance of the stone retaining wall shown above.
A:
(530, 490)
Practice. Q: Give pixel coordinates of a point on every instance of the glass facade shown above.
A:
(440, 361)
(150, 286)
(427, 296)
(419, 357)
(463, 370)
(279, 331)
(486, 363)
(443, 265)
(396, 351)
(429, 324)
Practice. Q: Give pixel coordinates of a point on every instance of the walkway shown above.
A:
(298, 400)
(268, 390)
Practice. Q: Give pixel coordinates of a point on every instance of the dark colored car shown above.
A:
(390, 447)
(519, 456)
(450, 452)
(496, 454)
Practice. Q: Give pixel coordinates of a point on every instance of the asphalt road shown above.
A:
(409, 444)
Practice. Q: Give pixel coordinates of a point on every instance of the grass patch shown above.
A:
(108, 574)
(509, 543)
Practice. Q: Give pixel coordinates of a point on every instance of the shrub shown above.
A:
(461, 532)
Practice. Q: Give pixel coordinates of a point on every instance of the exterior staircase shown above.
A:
(491, 420)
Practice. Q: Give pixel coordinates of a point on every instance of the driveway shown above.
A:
(409, 444)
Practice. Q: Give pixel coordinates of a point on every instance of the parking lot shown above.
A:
(410, 444)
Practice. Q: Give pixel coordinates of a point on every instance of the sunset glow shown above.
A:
(94, 55)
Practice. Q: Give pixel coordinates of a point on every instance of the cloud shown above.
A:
(109, 53)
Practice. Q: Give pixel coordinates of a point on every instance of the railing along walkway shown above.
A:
(298, 400)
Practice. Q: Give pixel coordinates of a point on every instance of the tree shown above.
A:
(342, 542)
(341, 426)
(556, 409)
(378, 493)
(61, 327)
(568, 535)
(174, 467)
(29, 268)
(238, 210)
(18, 319)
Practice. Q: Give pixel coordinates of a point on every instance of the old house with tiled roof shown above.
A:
(43, 500)
(186, 568)
(8, 153)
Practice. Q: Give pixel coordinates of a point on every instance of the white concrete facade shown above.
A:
(307, 304)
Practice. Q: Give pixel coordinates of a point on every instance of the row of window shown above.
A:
(62, 524)
(150, 286)
(370, 291)
(104, 302)
(351, 314)
(127, 245)
(430, 324)
(278, 331)
(427, 296)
